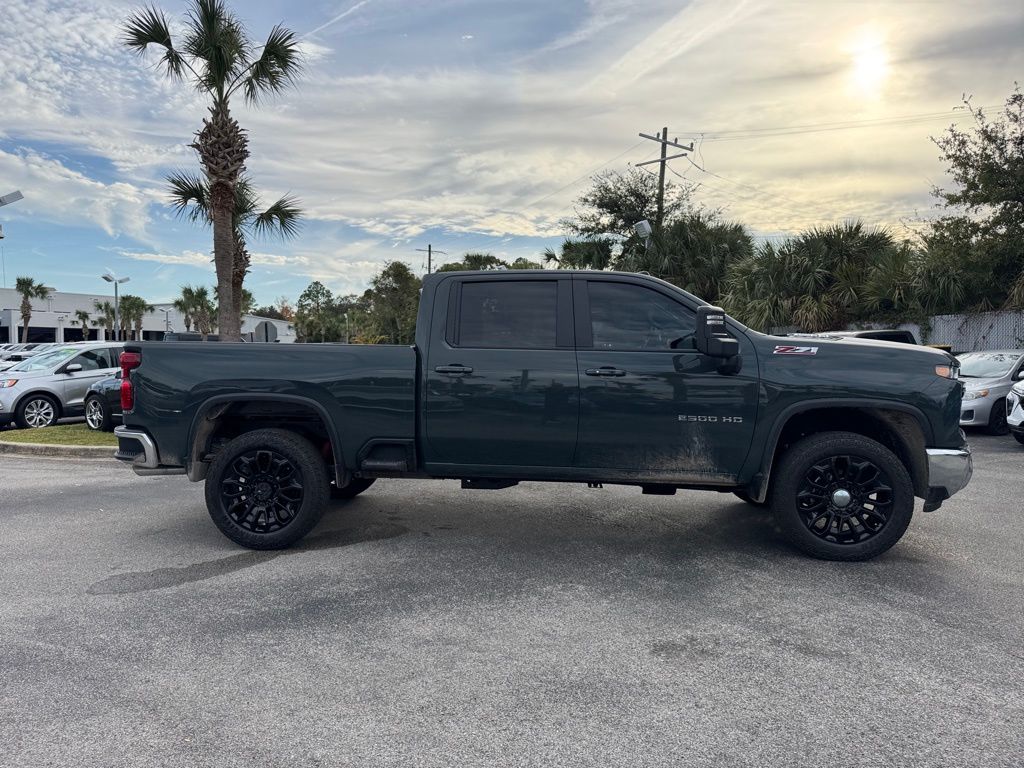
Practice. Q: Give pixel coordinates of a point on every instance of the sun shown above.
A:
(870, 64)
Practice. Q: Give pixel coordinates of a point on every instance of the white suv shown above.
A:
(53, 384)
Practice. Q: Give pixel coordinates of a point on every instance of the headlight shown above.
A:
(947, 371)
(975, 394)
(8, 383)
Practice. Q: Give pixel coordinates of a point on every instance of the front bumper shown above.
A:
(1015, 411)
(949, 471)
(976, 413)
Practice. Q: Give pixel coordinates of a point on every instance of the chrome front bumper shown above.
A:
(949, 471)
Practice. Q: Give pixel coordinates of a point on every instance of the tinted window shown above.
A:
(94, 360)
(632, 317)
(508, 314)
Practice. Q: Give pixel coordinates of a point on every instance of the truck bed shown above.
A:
(370, 389)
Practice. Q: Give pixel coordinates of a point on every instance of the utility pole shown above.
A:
(662, 138)
(429, 250)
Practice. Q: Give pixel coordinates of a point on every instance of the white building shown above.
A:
(53, 319)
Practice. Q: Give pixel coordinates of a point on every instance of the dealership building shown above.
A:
(53, 319)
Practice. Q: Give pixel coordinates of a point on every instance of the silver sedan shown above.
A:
(988, 377)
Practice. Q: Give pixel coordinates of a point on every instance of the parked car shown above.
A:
(103, 404)
(587, 377)
(1015, 411)
(38, 391)
(879, 334)
(988, 377)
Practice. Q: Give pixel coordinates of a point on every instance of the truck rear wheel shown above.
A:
(267, 489)
(842, 496)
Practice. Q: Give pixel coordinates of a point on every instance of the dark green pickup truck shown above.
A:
(585, 377)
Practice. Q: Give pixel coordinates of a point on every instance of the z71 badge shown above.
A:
(787, 350)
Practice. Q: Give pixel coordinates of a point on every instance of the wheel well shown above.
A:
(898, 431)
(223, 422)
(50, 395)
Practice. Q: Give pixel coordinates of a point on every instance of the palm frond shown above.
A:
(190, 196)
(277, 67)
(280, 219)
(216, 38)
(149, 26)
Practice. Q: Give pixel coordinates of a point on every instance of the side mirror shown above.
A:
(72, 368)
(712, 337)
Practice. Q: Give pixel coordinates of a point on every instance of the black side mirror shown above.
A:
(712, 337)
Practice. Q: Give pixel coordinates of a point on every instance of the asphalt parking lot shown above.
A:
(540, 625)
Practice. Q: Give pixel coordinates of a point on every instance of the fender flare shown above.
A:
(771, 444)
(245, 397)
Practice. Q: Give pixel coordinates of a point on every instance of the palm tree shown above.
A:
(107, 317)
(588, 253)
(133, 312)
(219, 59)
(197, 308)
(82, 318)
(29, 289)
(192, 199)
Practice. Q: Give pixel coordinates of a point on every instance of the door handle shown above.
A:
(453, 370)
(605, 371)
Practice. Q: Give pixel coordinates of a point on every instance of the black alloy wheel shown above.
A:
(841, 496)
(262, 491)
(266, 489)
(845, 499)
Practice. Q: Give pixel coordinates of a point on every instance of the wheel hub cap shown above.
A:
(841, 498)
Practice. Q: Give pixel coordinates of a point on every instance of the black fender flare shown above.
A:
(248, 397)
(762, 475)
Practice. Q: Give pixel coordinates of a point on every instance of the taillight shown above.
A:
(129, 362)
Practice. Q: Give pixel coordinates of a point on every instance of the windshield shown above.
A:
(45, 360)
(987, 365)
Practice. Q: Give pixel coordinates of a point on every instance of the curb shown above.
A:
(64, 451)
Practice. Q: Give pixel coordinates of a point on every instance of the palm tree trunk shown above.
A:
(224, 260)
(240, 267)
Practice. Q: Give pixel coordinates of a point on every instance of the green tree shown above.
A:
(524, 263)
(82, 319)
(393, 302)
(29, 290)
(133, 312)
(107, 317)
(220, 61)
(474, 261)
(316, 316)
(984, 220)
(582, 253)
(191, 198)
(616, 201)
(197, 309)
(695, 251)
(823, 279)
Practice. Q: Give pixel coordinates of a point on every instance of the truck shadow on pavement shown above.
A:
(162, 578)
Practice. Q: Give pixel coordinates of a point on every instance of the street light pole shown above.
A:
(110, 277)
(13, 197)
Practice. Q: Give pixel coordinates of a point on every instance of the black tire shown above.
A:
(353, 489)
(289, 485)
(1019, 437)
(37, 411)
(97, 414)
(997, 419)
(821, 472)
(744, 496)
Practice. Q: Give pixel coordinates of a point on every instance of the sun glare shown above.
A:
(870, 65)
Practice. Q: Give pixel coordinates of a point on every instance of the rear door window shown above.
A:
(507, 314)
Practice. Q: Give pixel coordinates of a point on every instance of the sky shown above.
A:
(473, 125)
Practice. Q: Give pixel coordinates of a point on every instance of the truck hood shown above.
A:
(937, 356)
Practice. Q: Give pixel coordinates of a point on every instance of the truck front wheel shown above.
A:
(267, 489)
(842, 496)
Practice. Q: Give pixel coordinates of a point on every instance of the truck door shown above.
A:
(502, 388)
(650, 403)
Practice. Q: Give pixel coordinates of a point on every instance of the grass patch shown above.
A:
(62, 434)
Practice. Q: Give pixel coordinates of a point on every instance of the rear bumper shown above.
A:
(138, 449)
(949, 471)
